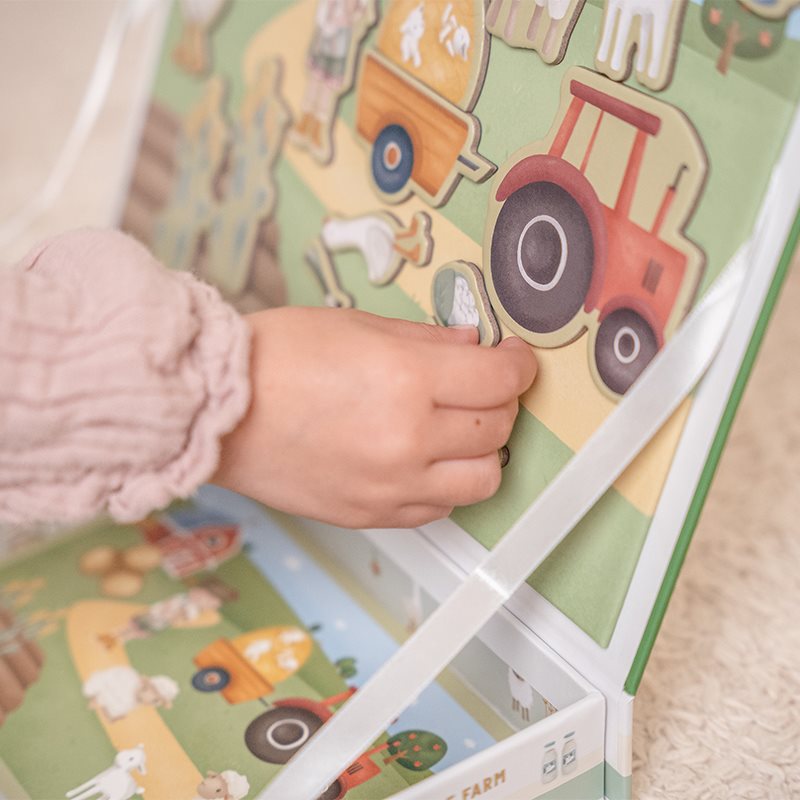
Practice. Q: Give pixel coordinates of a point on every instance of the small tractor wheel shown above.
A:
(333, 792)
(542, 256)
(392, 159)
(624, 346)
(211, 679)
(276, 735)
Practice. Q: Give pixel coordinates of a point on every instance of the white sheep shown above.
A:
(117, 691)
(114, 783)
(225, 785)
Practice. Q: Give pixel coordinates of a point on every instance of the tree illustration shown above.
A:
(416, 750)
(739, 32)
(346, 667)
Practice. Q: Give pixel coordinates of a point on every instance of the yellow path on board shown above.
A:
(564, 397)
(170, 772)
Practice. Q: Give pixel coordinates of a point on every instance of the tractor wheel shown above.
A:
(333, 792)
(279, 733)
(392, 159)
(542, 256)
(624, 346)
(211, 679)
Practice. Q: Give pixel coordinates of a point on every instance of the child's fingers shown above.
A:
(462, 482)
(423, 331)
(467, 433)
(480, 377)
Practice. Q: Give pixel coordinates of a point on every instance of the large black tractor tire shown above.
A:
(624, 346)
(542, 257)
(276, 735)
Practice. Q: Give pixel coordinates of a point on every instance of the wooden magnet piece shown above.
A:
(415, 90)
(585, 229)
(458, 296)
(541, 25)
(339, 30)
(652, 29)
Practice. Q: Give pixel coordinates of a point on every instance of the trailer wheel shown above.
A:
(211, 679)
(542, 255)
(333, 792)
(624, 346)
(392, 159)
(276, 735)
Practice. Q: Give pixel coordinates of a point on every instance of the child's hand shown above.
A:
(362, 421)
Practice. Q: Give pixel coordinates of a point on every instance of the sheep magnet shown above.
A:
(650, 27)
(541, 25)
(416, 88)
(585, 230)
(381, 239)
(339, 29)
(458, 296)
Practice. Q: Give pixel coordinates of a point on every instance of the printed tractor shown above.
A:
(558, 254)
(277, 734)
(248, 667)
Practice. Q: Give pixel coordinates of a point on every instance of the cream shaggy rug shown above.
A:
(718, 711)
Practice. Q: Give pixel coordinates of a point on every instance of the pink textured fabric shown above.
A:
(117, 379)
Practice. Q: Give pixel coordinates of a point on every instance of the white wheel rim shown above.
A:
(304, 735)
(562, 238)
(626, 330)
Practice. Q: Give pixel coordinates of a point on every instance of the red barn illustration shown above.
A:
(190, 542)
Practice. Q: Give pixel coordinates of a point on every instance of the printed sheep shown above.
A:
(225, 785)
(117, 691)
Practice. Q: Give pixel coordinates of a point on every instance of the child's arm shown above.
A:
(118, 379)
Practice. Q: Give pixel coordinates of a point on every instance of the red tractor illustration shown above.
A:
(560, 261)
(416, 87)
(248, 667)
(277, 734)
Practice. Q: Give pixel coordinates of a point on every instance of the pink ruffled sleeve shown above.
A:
(118, 378)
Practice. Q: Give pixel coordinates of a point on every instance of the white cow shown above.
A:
(654, 31)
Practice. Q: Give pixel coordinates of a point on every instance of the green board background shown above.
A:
(741, 118)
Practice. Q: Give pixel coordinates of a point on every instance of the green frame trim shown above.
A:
(676, 562)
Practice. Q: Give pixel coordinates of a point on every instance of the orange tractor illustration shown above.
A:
(248, 667)
(561, 261)
(415, 91)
